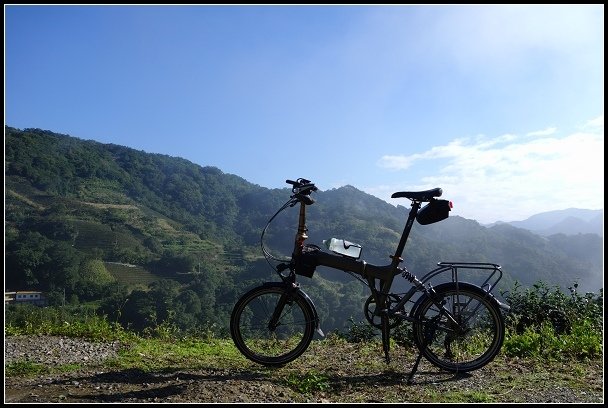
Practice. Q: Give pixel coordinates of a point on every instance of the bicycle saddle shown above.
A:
(426, 195)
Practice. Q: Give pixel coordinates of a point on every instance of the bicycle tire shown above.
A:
(262, 342)
(475, 342)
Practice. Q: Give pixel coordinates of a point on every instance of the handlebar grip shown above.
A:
(293, 183)
(309, 186)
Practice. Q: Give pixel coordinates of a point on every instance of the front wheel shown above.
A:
(460, 328)
(272, 324)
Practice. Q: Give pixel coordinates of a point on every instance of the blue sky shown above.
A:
(501, 106)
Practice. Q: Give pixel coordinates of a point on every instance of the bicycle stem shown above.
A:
(301, 235)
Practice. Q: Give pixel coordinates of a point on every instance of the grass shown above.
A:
(157, 354)
(24, 368)
(308, 382)
(338, 371)
(536, 365)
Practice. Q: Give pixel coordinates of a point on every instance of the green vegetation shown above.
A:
(71, 321)
(344, 363)
(24, 368)
(167, 345)
(548, 324)
(308, 382)
(149, 240)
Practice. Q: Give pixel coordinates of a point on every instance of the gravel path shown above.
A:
(56, 350)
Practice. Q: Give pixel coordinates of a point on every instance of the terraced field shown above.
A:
(134, 276)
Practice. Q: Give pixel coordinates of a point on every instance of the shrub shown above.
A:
(358, 332)
(532, 307)
(548, 323)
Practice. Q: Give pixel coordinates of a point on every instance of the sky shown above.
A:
(501, 106)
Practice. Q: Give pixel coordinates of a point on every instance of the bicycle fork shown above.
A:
(289, 295)
(278, 310)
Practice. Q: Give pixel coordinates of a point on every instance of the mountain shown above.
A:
(71, 203)
(570, 222)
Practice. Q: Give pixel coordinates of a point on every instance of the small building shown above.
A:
(25, 296)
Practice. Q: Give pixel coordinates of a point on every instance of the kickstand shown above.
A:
(429, 333)
(410, 378)
(386, 338)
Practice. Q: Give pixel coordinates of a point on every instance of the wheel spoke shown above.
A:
(272, 326)
(471, 342)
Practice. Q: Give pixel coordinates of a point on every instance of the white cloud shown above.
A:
(597, 123)
(452, 149)
(511, 178)
(545, 132)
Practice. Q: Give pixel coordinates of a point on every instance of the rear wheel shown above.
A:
(272, 325)
(469, 342)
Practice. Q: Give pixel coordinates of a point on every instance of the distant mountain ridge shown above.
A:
(570, 221)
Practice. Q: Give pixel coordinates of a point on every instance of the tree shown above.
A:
(92, 278)
(139, 311)
(24, 257)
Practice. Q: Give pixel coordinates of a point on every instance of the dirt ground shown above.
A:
(343, 375)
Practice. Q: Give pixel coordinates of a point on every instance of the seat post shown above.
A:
(406, 231)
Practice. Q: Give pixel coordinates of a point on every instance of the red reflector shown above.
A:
(451, 205)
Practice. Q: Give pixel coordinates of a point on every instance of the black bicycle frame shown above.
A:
(380, 278)
(383, 276)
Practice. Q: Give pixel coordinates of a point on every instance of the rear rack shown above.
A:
(474, 269)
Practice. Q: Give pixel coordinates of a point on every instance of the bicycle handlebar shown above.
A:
(302, 186)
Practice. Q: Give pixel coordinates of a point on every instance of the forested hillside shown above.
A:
(149, 237)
